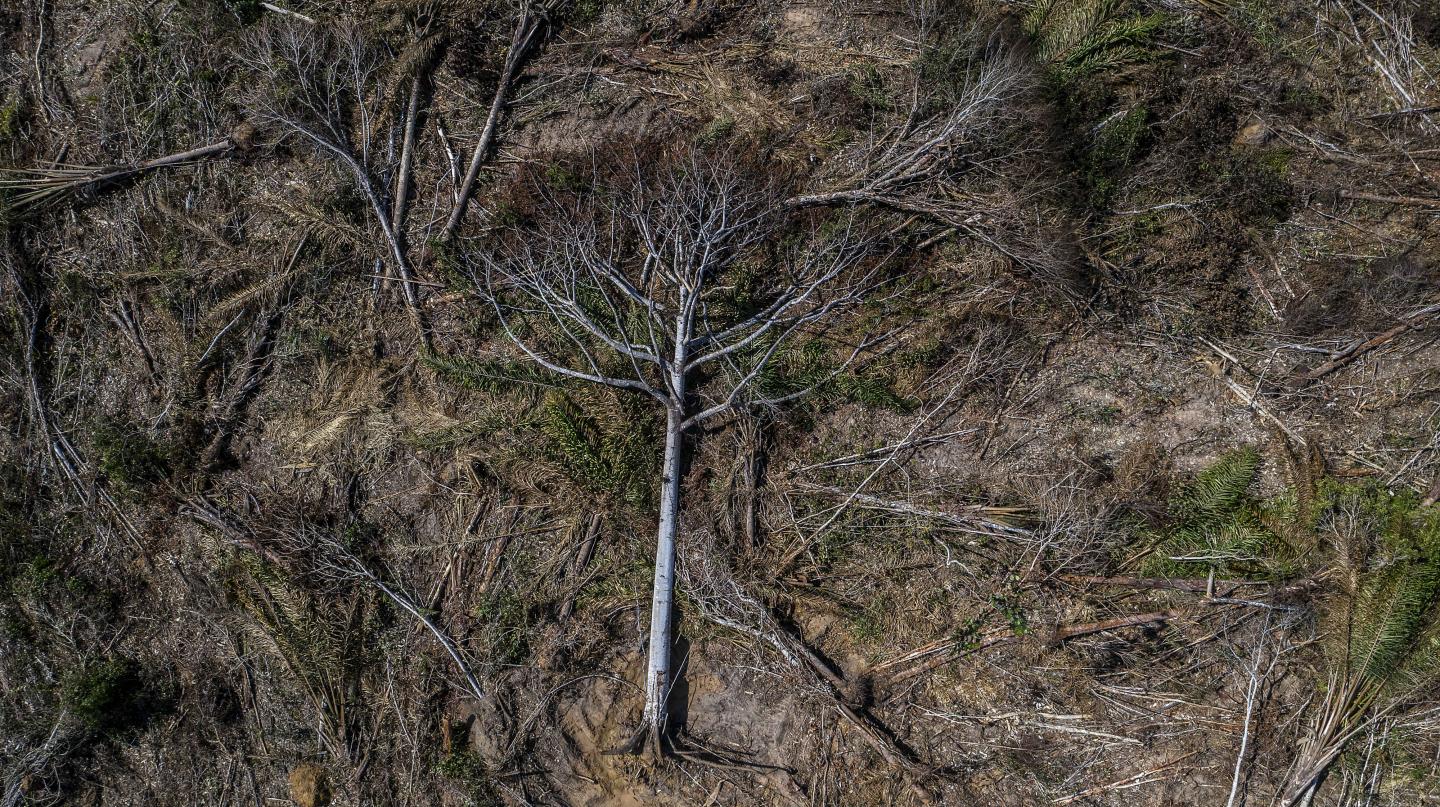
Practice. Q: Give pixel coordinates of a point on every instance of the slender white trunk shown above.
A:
(525, 29)
(400, 203)
(657, 679)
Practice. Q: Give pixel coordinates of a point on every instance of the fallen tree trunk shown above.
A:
(40, 186)
(520, 42)
(1359, 348)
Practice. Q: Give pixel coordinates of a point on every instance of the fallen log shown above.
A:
(1360, 347)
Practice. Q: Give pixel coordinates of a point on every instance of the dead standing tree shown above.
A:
(632, 286)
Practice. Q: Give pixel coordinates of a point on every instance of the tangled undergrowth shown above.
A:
(1021, 402)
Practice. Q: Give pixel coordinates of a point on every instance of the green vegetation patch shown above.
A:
(610, 450)
(1111, 154)
(1217, 524)
(467, 771)
(130, 458)
(1075, 39)
(106, 695)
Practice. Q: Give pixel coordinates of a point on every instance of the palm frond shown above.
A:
(1384, 636)
(1389, 613)
(1217, 523)
(1219, 491)
(493, 376)
(415, 60)
(1078, 38)
(320, 222)
(322, 645)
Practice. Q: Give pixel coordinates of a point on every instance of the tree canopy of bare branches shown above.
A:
(319, 84)
(685, 283)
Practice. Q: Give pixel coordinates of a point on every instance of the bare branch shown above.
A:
(526, 28)
(316, 82)
(343, 563)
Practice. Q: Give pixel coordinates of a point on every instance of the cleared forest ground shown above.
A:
(1049, 391)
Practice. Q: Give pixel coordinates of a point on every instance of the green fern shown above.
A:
(1079, 38)
(1215, 524)
(605, 444)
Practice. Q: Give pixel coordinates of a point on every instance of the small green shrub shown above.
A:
(468, 772)
(1379, 526)
(10, 120)
(506, 214)
(1257, 184)
(35, 576)
(717, 131)
(605, 446)
(105, 695)
(946, 65)
(246, 11)
(967, 635)
(562, 177)
(868, 88)
(586, 12)
(869, 624)
(740, 292)
(507, 621)
(926, 353)
(128, 457)
(1009, 609)
(811, 365)
(1111, 154)
(1303, 100)
(1075, 39)
(1215, 524)
(625, 578)
(1259, 19)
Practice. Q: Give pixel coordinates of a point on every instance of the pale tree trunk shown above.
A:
(525, 29)
(657, 679)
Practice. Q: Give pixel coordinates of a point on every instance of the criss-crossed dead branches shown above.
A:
(319, 84)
